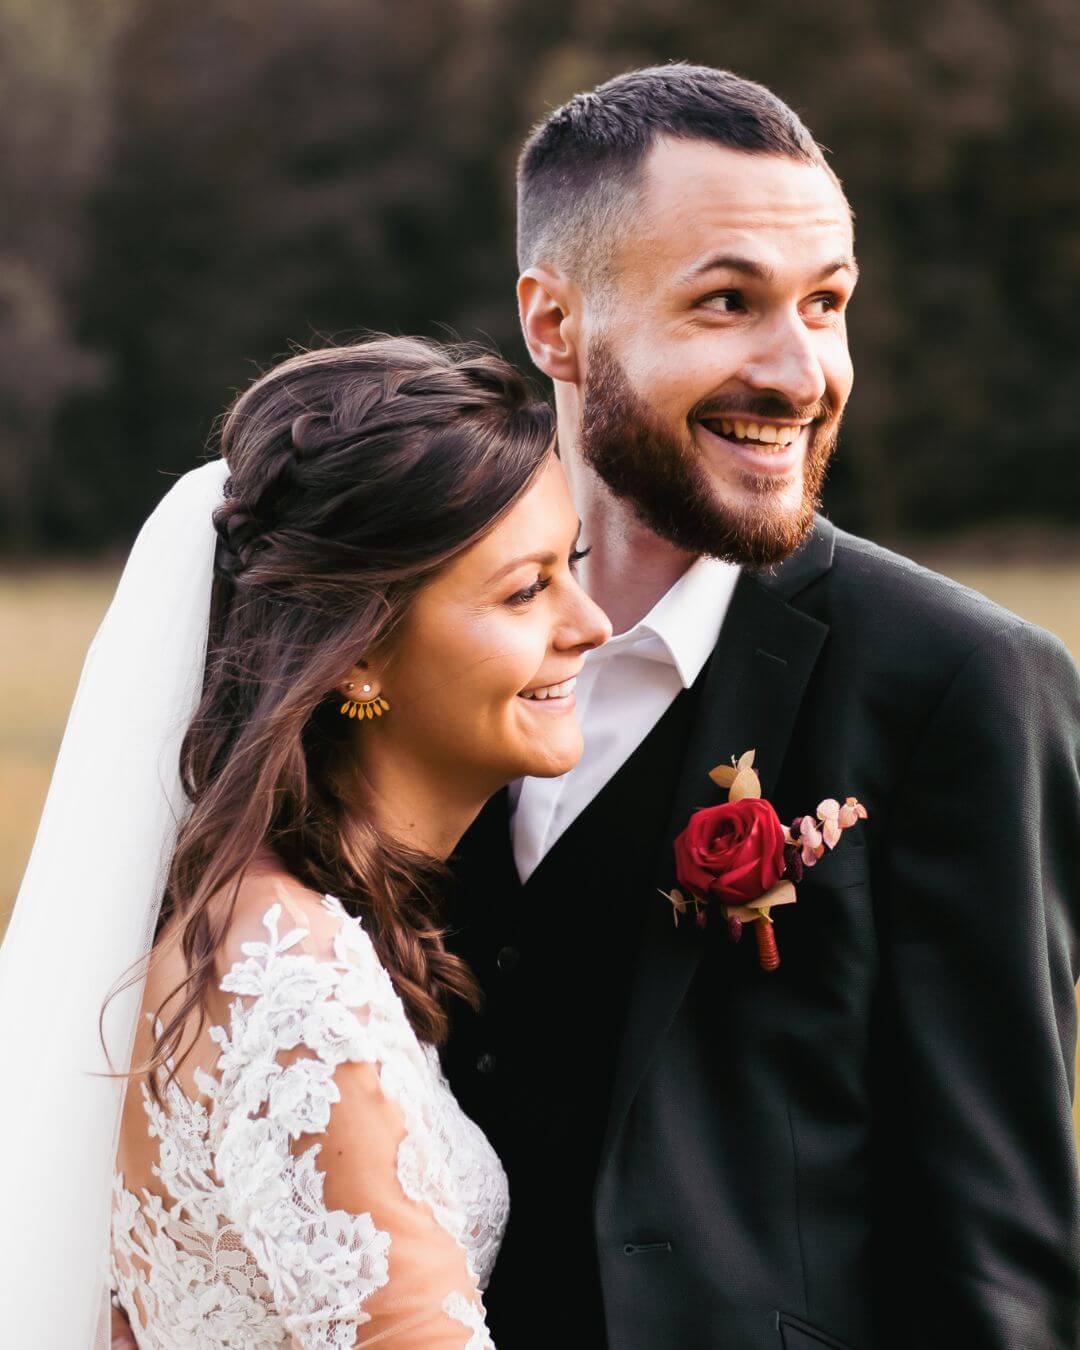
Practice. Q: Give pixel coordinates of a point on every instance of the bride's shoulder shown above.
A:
(274, 908)
(297, 952)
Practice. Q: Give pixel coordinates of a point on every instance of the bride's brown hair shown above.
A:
(356, 474)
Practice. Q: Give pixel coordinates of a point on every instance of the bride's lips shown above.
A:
(552, 705)
(560, 702)
(758, 457)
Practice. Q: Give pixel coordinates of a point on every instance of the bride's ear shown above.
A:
(549, 307)
(362, 682)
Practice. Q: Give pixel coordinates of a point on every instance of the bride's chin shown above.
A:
(548, 760)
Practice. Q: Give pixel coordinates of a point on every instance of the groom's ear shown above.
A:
(550, 310)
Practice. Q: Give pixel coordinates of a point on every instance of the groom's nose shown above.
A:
(785, 360)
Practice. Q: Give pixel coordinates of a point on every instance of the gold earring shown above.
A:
(371, 705)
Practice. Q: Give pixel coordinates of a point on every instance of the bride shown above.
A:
(327, 649)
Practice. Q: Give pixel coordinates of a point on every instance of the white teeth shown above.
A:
(551, 690)
(755, 431)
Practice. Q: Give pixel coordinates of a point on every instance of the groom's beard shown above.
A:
(670, 490)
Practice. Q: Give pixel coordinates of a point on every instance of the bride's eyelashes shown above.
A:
(541, 583)
(530, 592)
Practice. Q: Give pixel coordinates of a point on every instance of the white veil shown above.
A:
(86, 911)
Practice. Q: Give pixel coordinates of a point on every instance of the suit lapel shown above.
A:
(754, 684)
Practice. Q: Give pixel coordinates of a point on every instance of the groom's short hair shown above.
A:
(580, 167)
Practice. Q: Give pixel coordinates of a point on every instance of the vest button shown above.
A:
(486, 1063)
(507, 959)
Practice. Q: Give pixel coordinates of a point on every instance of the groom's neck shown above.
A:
(628, 568)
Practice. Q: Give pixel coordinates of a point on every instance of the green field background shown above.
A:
(49, 614)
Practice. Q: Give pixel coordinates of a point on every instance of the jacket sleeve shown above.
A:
(980, 943)
(322, 1079)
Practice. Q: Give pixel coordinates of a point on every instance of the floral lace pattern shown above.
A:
(458, 1307)
(247, 1254)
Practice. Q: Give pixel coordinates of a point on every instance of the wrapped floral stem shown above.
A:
(768, 952)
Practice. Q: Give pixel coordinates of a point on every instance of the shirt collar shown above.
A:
(683, 626)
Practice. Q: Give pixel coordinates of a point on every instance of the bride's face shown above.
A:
(505, 619)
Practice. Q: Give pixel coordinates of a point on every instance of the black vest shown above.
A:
(534, 1067)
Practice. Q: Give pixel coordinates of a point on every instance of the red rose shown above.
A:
(733, 853)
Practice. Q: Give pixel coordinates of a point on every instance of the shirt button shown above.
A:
(507, 959)
(486, 1063)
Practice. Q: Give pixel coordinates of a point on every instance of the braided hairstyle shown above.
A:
(356, 473)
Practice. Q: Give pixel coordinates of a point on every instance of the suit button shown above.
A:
(507, 959)
(486, 1063)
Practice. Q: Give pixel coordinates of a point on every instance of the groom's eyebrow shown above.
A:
(732, 262)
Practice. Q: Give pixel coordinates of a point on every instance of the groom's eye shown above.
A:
(829, 303)
(729, 302)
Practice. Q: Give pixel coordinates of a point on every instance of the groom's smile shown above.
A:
(775, 449)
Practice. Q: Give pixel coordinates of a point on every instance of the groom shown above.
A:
(870, 1146)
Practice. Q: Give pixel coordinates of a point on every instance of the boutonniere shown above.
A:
(739, 855)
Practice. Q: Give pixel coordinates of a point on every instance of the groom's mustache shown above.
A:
(765, 407)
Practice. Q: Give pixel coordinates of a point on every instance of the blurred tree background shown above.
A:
(189, 187)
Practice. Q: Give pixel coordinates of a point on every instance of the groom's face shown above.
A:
(717, 365)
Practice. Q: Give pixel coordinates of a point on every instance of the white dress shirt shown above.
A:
(626, 686)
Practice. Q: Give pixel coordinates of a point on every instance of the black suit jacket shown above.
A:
(871, 1146)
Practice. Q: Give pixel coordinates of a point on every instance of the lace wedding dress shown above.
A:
(321, 1187)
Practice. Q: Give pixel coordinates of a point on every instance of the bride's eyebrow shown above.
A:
(544, 559)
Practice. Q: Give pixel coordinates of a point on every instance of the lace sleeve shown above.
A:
(324, 1096)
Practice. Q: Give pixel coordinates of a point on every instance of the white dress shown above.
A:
(249, 1250)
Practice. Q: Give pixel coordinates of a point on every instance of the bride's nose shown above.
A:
(584, 626)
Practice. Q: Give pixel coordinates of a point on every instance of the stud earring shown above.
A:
(371, 705)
